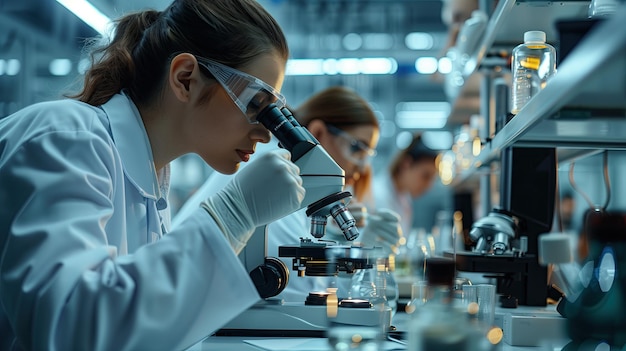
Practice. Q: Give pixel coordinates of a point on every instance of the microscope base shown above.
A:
(298, 319)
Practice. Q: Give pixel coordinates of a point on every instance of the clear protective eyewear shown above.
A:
(355, 151)
(248, 92)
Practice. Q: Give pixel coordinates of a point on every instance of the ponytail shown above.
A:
(232, 32)
(112, 66)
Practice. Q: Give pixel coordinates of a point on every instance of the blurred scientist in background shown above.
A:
(347, 128)
(411, 173)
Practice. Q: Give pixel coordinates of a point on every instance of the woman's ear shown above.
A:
(318, 129)
(181, 74)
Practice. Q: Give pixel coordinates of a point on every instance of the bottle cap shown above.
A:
(440, 271)
(534, 36)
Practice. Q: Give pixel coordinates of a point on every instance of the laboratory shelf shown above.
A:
(581, 108)
(505, 29)
(511, 18)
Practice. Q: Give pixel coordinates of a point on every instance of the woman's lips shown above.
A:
(244, 155)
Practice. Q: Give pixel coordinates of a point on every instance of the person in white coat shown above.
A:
(412, 173)
(347, 128)
(87, 257)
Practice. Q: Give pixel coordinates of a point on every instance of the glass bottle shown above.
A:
(439, 324)
(533, 63)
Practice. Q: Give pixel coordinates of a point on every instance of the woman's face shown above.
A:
(420, 177)
(220, 132)
(346, 149)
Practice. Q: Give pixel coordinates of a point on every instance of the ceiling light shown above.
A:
(378, 65)
(84, 10)
(445, 65)
(12, 67)
(352, 41)
(426, 65)
(347, 65)
(422, 115)
(305, 67)
(60, 67)
(377, 41)
(419, 41)
(437, 140)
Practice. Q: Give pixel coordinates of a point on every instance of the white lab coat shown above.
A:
(84, 262)
(386, 196)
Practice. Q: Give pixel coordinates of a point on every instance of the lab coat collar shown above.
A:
(131, 140)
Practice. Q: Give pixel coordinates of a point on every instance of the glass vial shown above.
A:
(533, 63)
(438, 324)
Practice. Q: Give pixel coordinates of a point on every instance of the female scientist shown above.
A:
(347, 128)
(412, 172)
(86, 259)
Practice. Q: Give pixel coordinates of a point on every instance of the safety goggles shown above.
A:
(354, 150)
(249, 93)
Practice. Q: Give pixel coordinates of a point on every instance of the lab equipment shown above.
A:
(439, 324)
(368, 292)
(533, 63)
(511, 232)
(554, 249)
(493, 233)
(323, 180)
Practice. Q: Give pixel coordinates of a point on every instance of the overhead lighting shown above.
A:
(422, 115)
(445, 65)
(437, 140)
(352, 41)
(426, 65)
(378, 65)
(84, 10)
(10, 67)
(60, 67)
(305, 67)
(419, 41)
(346, 66)
(377, 41)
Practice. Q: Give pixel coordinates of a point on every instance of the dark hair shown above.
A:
(340, 106)
(417, 151)
(343, 108)
(232, 32)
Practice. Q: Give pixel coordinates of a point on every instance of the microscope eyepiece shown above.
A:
(290, 134)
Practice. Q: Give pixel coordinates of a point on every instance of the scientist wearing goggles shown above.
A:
(87, 257)
(348, 129)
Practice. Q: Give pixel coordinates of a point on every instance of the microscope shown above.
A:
(506, 240)
(323, 180)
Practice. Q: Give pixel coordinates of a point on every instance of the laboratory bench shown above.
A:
(400, 321)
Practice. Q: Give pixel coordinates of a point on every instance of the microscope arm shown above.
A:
(322, 177)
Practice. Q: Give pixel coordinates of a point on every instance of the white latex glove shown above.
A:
(267, 189)
(383, 230)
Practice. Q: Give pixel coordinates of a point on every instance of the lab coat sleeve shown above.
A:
(63, 288)
(214, 183)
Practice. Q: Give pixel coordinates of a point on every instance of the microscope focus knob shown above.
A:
(270, 278)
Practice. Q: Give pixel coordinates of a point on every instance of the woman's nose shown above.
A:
(260, 134)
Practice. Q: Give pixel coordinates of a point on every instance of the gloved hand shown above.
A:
(383, 230)
(267, 189)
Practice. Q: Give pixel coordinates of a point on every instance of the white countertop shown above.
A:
(400, 320)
